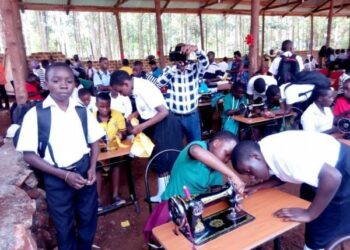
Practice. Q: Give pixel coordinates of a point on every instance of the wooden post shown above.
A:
(329, 27)
(263, 40)
(120, 35)
(254, 31)
(201, 30)
(311, 44)
(159, 34)
(12, 27)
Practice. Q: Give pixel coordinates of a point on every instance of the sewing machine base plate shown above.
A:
(218, 224)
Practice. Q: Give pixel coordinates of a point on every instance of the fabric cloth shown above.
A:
(342, 79)
(301, 161)
(2, 75)
(102, 78)
(276, 63)
(127, 69)
(193, 174)
(112, 127)
(122, 104)
(296, 92)
(182, 94)
(142, 146)
(160, 215)
(313, 119)
(66, 135)
(230, 103)
(67, 205)
(147, 98)
(341, 105)
(269, 80)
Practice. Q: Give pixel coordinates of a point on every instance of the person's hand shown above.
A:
(137, 129)
(91, 176)
(75, 180)
(238, 184)
(132, 115)
(251, 190)
(188, 49)
(294, 214)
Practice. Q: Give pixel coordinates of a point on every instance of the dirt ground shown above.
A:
(111, 235)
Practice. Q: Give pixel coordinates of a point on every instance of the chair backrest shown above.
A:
(148, 167)
(339, 243)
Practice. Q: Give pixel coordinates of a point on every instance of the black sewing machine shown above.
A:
(251, 110)
(187, 215)
(344, 127)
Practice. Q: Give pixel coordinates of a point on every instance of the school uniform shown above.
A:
(276, 63)
(167, 133)
(70, 152)
(269, 80)
(122, 104)
(102, 78)
(313, 119)
(301, 162)
(230, 103)
(295, 93)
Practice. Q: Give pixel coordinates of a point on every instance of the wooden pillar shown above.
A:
(12, 27)
(201, 30)
(254, 31)
(329, 27)
(120, 35)
(263, 40)
(311, 43)
(159, 34)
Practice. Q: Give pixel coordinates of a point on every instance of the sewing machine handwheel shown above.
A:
(177, 211)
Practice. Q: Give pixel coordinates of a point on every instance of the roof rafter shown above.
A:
(268, 5)
(294, 7)
(281, 5)
(235, 4)
(68, 6)
(208, 3)
(334, 7)
(165, 6)
(119, 2)
(318, 7)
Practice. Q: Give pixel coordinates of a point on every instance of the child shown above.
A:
(273, 96)
(87, 100)
(199, 166)
(313, 158)
(113, 124)
(159, 124)
(257, 86)
(318, 116)
(69, 161)
(231, 107)
(342, 103)
(121, 103)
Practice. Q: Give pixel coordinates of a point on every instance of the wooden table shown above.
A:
(340, 137)
(118, 154)
(264, 228)
(259, 120)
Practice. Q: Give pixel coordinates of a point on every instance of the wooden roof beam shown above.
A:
(280, 5)
(165, 6)
(235, 4)
(208, 3)
(335, 6)
(268, 5)
(318, 7)
(119, 2)
(68, 6)
(342, 7)
(293, 8)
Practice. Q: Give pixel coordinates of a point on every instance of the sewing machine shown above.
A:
(344, 127)
(187, 215)
(251, 110)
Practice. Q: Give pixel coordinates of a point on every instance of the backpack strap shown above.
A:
(44, 127)
(82, 113)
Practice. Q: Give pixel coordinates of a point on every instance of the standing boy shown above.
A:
(315, 159)
(68, 163)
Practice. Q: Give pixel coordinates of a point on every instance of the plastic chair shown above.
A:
(341, 243)
(148, 167)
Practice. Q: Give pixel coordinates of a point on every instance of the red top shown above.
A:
(33, 92)
(2, 75)
(341, 105)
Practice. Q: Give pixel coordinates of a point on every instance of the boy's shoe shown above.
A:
(99, 208)
(117, 201)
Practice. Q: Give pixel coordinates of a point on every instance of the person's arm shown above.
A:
(210, 160)
(95, 149)
(165, 79)
(162, 113)
(329, 180)
(73, 179)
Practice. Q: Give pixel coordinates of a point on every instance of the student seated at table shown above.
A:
(199, 166)
(318, 116)
(87, 100)
(316, 159)
(231, 107)
(113, 123)
(273, 97)
(342, 103)
(258, 85)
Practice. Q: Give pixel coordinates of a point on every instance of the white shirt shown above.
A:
(298, 156)
(102, 78)
(75, 95)
(66, 135)
(276, 63)
(313, 119)
(92, 105)
(147, 98)
(269, 80)
(122, 104)
(295, 92)
(223, 65)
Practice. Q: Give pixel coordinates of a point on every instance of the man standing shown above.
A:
(102, 76)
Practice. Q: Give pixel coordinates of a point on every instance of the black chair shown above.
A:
(341, 243)
(148, 167)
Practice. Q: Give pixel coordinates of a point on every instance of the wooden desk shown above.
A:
(340, 137)
(118, 154)
(265, 227)
(259, 120)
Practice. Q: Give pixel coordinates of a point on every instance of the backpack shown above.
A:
(44, 126)
(287, 69)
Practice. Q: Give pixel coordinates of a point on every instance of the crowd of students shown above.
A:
(165, 100)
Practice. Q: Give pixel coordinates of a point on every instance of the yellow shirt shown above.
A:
(127, 69)
(114, 125)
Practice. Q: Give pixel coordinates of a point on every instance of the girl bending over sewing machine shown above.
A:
(199, 166)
